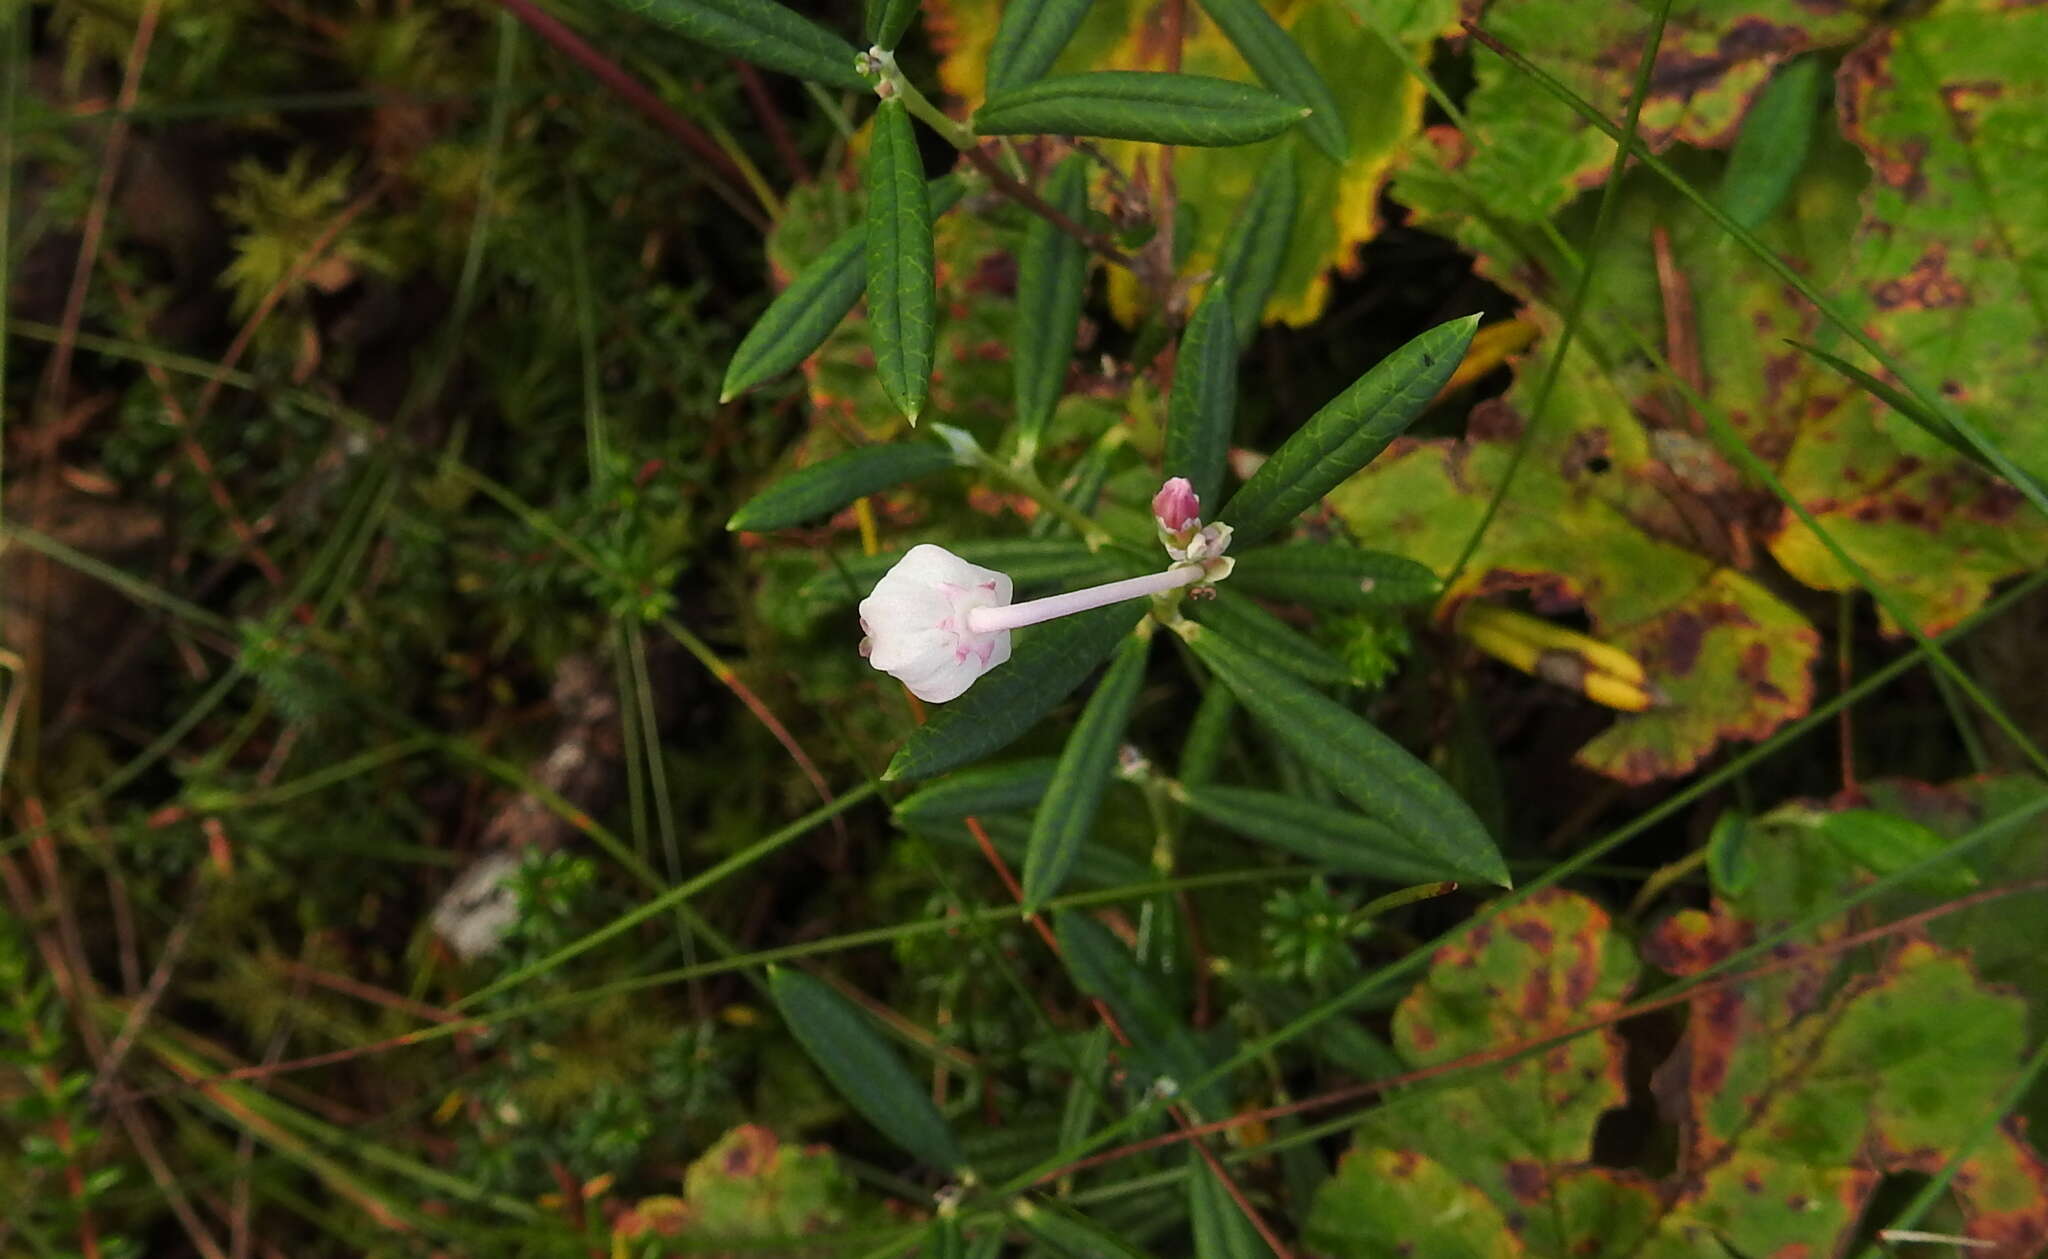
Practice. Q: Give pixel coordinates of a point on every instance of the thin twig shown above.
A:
(642, 98)
(1502, 1053)
(57, 374)
(1100, 244)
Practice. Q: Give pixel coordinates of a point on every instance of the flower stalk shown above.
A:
(1033, 611)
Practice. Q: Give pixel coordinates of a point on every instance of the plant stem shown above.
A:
(1032, 611)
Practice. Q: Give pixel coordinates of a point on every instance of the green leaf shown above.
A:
(1330, 576)
(1729, 863)
(1096, 867)
(825, 487)
(983, 789)
(1029, 562)
(1204, 399)
(1221, 1231)
(901, 305)
(1281, 65)
(762, 32)
(1349, 431)
(1069, 1232)
(887, 20)
(1935, 426)
(1207, 734)
(1139, 105)
(1052, 278)
(1269, 638)
(1105, 969)
(1254, 253)
(797, 322)
(1066, 819)
(1772, 147)
(852, 1054)
(1371, 770)
(943, 1239)
(1315, 832)
(1030, 38)
(1537, 968)
(1085, 1093)
(1047, 663)
(1885, 843)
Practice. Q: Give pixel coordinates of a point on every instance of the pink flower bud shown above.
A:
(1176, 507)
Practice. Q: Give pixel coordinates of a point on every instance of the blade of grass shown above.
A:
(1575, 306)
(1633, 146)
(1570, 866)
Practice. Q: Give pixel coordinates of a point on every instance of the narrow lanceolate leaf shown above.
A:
(943, 1240)
(1321, 833)
(1070, 1233)
(887, 20)
(1066, 820)
(762, 32)
(1268, 637)
(983, 789)
(1208, 733)
(1139, 105)
(1052, 277)
(1256, 248)
(825, 487)
(1348, 432)
(800, 318)
(1771, 149)
(1372, 771)
(1332, 576)
(1204, 400)
(1104, 968)
(1030, 39)
(1220, 1229)
(851, 1053)
(901, 300)
(1281, 65)
(1045, 665)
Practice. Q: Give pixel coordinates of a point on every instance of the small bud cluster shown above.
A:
(1177, 514)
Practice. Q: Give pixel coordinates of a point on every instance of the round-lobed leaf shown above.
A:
(1332, 576)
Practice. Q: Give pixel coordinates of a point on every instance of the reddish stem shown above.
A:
(634, 93)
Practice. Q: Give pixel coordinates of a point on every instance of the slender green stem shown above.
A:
(1582, 287)
(1572, 865)
(895, 83)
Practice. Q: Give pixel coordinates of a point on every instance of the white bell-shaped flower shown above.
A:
(918, 622)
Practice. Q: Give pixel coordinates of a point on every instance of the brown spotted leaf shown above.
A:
(1537, 968)
(1533, 153)
(1617, 518)
(1951, 265)
(1379, 102)
(1798, 1092)
(1794, 1094)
